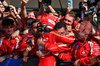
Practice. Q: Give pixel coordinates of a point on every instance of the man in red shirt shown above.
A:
(9, 45)
(84, 49)
(29, 45)
(51, 44)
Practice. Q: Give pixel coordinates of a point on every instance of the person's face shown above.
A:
(31, 15)
(77, 26)
(61, 31)
(68, 20)
(84, 31)
(8, 30)
(34, 28)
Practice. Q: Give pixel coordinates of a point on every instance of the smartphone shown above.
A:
(46, 2)
(20, 6)
(70, 3)
(7, 9)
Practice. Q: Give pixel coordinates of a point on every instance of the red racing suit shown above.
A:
(25, 41)
(9, 46)
(62, 43)
(83, 52)
(54, 42)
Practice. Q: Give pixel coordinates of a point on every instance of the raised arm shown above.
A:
(23, 10)
(16, 16)
(41, 8)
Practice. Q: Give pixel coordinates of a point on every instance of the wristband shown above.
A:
(17, 14)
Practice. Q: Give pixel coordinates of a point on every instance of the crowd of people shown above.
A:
(56, 39)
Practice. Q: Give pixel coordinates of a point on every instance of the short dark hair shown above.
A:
(24, 28)
(60, 25)
(7, 22)
(34, 21)
(72, 14)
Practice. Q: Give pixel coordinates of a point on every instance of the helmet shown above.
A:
(47, 22)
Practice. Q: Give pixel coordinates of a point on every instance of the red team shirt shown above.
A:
(54, 42)
(81, 51)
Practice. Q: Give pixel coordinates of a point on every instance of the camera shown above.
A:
(93, 2)
(7, 9)
(89, 4)
(81, 7)
(92, 11)
(46, 2)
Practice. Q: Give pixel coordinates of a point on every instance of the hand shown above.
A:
(77, 26)
(32, 41)
(93, 60)
(29, 48)
(77, 63)
(55, 54)
(85, 0)
(69, 8)
(40, 54)
(16, 57)
(40, 42)
(24, 2)
(19, 10)
(9, 56)
(25, 59)
(15, 34)
(97, 37)
(13, 9)
(40, 1)
(2, 59)
(86, 7)
(69, 28)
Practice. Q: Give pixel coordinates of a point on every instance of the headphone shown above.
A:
(75, 22)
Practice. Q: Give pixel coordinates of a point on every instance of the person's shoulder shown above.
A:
(29, 35)
(2, 35)
(19, 37)
(92, 42)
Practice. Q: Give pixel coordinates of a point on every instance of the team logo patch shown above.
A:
(83, 53)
